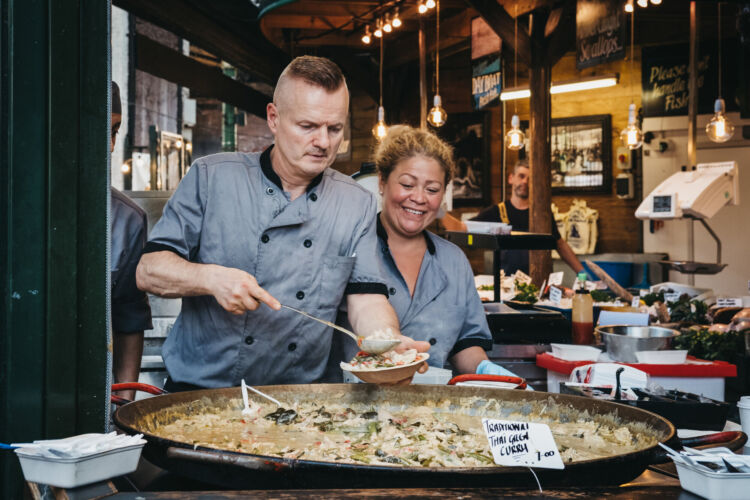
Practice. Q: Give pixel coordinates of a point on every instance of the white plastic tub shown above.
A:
(74, 472)
(664, 357)
(575, 352)
(714, 485)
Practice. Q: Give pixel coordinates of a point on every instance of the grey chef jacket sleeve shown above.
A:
(130, 308)
(445, 311)
(230, 210)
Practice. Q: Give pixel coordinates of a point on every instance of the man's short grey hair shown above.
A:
(317, 71)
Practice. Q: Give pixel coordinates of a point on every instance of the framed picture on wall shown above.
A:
(468, 134)
(581, 154)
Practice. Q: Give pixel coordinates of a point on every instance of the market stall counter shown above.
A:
(695, 375)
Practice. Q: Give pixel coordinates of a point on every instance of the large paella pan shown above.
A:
(203, 434)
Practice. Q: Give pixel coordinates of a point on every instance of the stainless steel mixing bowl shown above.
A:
(622, 341)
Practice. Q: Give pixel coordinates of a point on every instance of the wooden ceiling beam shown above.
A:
(502, 23)
(253, 54)
(453, 31)
(207, 81)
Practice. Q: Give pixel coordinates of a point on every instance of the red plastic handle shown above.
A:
(151, 389)
(468, 377)
(125, 386)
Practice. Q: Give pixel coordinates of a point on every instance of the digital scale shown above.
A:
(694, 194)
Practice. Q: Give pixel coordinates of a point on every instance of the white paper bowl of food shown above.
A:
(574, 352)
(385, 368)
(665, 357)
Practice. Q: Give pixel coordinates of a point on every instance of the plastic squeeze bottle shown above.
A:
(583, 314)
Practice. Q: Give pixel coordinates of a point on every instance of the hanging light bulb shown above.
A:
(629, 6)
(642, 3)
(437, 115)
(378, 30)
(430, 4)
(380, 130)
(396, 20)
(387, 24)
(178, 143)
(719, 129)
(421, 8)
(366, 39)
(656, 2)
(632, 135)
(514, 139)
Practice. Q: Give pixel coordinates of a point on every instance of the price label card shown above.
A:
(636, 303)
(555, 294)
(522, 444)
(729, 302)
(555, 278)
(672, 297)
(522, 277)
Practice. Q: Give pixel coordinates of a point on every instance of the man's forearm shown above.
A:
(166, 274)
(568, 255)
(371, 312)
(126, 359)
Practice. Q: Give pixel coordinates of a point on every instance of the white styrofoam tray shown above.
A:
(713, 485)
(73, 472)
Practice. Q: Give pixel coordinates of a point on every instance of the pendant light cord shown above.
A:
(632, 42)
(380, 71)
(437, 49)
(515, 55)
(718, 6)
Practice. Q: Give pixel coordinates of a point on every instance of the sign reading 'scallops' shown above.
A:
(522, 444)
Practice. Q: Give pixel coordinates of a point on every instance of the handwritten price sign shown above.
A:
(522, 444)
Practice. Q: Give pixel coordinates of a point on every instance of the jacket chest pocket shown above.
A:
(334, 276)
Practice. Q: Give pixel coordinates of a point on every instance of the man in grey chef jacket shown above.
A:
(246, 232)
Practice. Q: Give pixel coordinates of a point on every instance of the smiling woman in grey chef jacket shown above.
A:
(271, 228)
(430, 282)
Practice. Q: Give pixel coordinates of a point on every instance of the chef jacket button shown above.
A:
(392, 291)
(300, 295)
(314, 197)
(249, 340)
(269, 190)
(292, 346)
(433, 341)
(307, 243)
(264, 238)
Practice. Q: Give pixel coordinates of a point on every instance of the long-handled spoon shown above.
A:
(371, 346)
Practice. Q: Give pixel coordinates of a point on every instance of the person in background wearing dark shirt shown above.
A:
(516, 213)
(131, 313)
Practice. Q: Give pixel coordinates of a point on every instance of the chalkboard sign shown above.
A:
(665, 75)
(601, 31)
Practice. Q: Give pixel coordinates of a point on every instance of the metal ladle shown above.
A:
(371, 346)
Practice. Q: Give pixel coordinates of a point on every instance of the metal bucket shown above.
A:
(623, 341)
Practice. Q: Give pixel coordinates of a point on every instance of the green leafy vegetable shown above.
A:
(685, 309)
(526, 292)
(705, 344)
(601, 296)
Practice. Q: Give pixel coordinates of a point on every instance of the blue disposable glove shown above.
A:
(487, 367)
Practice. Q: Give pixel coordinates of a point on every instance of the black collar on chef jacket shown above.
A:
(267, 168)
(383, 235)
